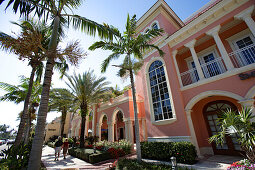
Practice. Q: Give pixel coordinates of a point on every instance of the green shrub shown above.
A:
(185, 152)
(51, 144)
(88, 155)
(122, 144)
(16, 157)
(99, 157)
(133, 164)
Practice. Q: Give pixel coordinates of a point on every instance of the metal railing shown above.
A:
(244, 56)
(213, 68)
(210, 69)
(189, 77)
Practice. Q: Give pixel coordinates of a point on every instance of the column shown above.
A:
(191, 45)
(129, 131)
(174, 53)
(94, 121)
(214, 33)
(246, 17)
(249, 103)
(111, 131)
(144, 129)
(86, 126)
(99, 131)
(192, 132)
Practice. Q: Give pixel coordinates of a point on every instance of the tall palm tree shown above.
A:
(29, 45)
(88, 90)
(240, 124)
(17, 94)
(61, 100)
(132, 46)
(57, 13)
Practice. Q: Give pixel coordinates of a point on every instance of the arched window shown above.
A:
(147, 30)
(155, 26)
(159, 92)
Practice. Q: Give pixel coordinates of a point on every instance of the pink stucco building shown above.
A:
(209, 65)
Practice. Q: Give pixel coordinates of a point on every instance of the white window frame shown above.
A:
(159, 122)
(233, 39)
(150, 26)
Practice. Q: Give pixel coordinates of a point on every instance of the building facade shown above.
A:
(208, 66)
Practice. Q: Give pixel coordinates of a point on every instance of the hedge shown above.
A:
(185, 152)
(88, 155)
(133, 164)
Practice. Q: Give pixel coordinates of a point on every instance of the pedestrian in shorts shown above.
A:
(58, 147)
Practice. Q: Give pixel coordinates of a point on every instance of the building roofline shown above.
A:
(154, 7)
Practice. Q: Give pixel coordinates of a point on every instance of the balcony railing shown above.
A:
(213, 68)
(189, 77)
(244, 56)
(210, 69)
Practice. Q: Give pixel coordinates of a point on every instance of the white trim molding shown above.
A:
(251, 93)
(169, 139)
(162, 122)
(206, 94)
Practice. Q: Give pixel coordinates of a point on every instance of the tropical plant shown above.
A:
(61, 100)
(57, 13)
(29, 45)
(4, 132)
(17, 94)
(88, 90)
(240, 124)
(132, 46)
(115, 91)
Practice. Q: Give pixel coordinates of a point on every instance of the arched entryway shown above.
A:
(119, 126)
(104, 129)
(212, 111)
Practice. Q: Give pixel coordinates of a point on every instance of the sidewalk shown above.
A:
(216, 162)
(70, 163)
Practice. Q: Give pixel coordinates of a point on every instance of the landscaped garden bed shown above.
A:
(185, 152)
(133, 164)
(242, 164)
(104, 151)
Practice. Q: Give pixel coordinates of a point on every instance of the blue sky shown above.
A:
(113, 12)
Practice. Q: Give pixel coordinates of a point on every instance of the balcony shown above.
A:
(210, 69)
(244, 56)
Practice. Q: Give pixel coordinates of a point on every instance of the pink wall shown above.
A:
(178, 128)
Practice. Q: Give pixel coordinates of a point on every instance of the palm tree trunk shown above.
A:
(28, 126)
(63, 120)
(36, 151)
(137, 134)
(23, 118)
(83, 121)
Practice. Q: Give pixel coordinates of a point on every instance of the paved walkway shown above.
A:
(216, 162)
(70, 163)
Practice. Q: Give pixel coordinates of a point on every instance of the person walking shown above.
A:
(65, 147)
(58, 147)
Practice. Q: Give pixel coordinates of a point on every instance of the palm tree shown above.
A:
(29, 45)
(88, 90)
(132, 46)
(61, 100)
(17, 94)
(240, 124)
(57, 12)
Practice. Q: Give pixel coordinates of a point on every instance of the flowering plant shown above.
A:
(244, 164)
(116, 153)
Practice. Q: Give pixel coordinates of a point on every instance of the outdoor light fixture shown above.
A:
(94, 149)
(174, 163)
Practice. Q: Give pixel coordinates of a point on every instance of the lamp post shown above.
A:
(173, 162)
(94, 149)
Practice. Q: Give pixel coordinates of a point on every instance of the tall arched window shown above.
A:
(159, 92)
